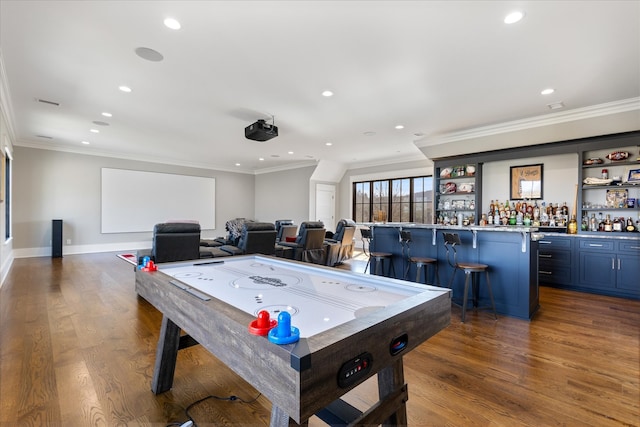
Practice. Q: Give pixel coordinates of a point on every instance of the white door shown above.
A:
(326, 205)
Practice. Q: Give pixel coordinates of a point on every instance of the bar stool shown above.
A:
(471, 270)
(380, 257)
(420, 262)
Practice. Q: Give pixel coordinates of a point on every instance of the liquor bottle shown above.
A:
(492, 207)
(600, 222)
(617, 225)
(593, 223)
(572, 227)
(565, 209)
(536, 212)
(608, 225)
(630, 227)
(584, 226)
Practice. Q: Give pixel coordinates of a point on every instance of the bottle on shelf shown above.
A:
(593, 223)
(608, 225)
(617, 224)
(630, 227)
(572, 227)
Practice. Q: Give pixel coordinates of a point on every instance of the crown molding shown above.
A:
(389, 161)
(551, 119)
(172, 162)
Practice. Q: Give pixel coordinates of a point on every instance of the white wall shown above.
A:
(58, 185)
(559, 178)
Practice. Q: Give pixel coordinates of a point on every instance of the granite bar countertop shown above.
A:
(510, 229)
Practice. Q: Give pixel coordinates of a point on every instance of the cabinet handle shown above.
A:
(545, 272)
(619, 264)
(595, 245)
(545, 256)
(634, 247)
(613, 265)
(544, 242)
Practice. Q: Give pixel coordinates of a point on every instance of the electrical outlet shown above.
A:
(68, 241)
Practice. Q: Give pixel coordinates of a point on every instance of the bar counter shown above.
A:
(511, 252)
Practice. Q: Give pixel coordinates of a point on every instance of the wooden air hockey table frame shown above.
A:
(308, 377)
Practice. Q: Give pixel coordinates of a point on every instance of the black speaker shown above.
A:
(56, 238)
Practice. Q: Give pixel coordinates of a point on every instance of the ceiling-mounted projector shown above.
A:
(261, 131)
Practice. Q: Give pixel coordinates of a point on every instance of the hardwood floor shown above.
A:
(77, 348)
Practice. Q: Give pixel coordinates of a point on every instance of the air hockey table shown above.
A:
(351, 326)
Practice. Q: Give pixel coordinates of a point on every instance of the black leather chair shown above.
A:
(255, 238)
(174, 241)
(340, 245)
(309, 244)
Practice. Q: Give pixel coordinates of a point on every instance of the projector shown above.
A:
(260, 131)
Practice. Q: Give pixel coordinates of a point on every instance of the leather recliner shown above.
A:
(173, 241)
(340, 245)
(255, 238)
(309, 244)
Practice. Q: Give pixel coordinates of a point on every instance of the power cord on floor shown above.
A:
(191, 422)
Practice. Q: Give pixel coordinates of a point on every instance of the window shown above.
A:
(362, 202)
(396, 200)
(380, 200)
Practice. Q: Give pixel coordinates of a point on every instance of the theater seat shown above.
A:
(309, 244)
(255, 238)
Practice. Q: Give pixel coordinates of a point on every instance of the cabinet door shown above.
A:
(597, 269)
(628, 272)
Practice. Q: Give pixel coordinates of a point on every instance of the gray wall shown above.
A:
(58, 185)
(283, 195)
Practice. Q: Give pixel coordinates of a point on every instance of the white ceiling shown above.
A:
(437, 67)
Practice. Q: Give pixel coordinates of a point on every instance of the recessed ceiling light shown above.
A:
(94, 131)
(149, 54)
(86, 142)
(237, 164)
(107, 114)
(548, 91)
(369, 133)
(327, 93)
(328, 144)
(289, 152)
(125, 88)
(261, 159)
(513, 17)
(172, 23)
(399, 127)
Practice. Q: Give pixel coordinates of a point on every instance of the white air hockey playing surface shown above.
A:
(317, 299)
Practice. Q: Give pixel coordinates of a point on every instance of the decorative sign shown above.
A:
(526, 182)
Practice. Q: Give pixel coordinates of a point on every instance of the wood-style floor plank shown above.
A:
(77, 348)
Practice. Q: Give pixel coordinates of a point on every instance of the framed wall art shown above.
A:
(526, 182)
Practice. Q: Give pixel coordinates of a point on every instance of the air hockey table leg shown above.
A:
(280, 418)
(166, 355)
(391, 384)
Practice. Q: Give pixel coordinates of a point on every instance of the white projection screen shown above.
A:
(134, 201)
